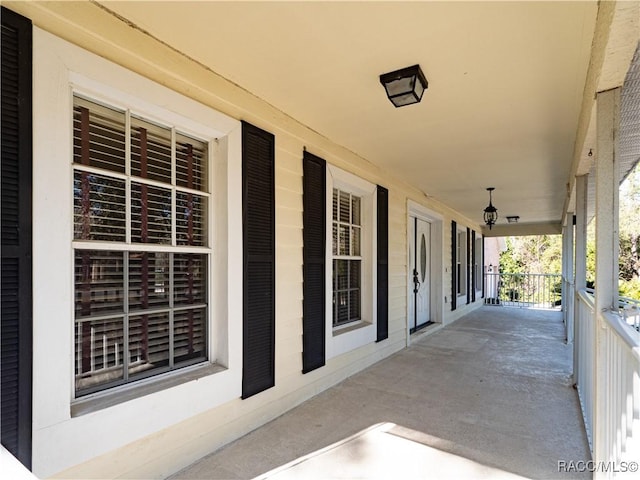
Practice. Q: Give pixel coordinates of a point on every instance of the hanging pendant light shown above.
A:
(491, 212)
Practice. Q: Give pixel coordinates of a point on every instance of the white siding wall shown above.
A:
(163, 446)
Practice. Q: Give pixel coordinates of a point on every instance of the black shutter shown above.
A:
(258, 218)
(313, 255)
(15, 171)
(454, 266)
(383, 263)
(468, 265)
(473, 266)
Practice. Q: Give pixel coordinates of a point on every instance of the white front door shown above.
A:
(420, 274)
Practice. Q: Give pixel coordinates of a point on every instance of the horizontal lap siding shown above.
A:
(288, 261)
(397, 263)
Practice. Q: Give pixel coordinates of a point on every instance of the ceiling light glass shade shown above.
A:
(404, 86)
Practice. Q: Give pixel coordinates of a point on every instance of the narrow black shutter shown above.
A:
(313, 255)
(468, 265)
(383, 263)
(258, 219)
(473, 266)
(15, 171)
(454, 266)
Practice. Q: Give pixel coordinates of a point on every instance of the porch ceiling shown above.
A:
(506, 82)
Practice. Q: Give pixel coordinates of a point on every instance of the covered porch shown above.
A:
(489, 396)
(538, 101)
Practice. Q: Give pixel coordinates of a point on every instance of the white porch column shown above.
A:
(606, 294)
(567, 276)
(580, 281)
(607, 188)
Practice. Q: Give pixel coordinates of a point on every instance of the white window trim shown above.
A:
(59, 69)
(345, 338)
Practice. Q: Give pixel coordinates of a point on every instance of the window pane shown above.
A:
(354, 274)
(355, 210)
(335, 239)
(191, 219)
(345, 202)
(344, 240)
(191, 163)
(99, 282)
(150, 151)
(98, 136)
(189, 276)
(148, 343)
(98, 207)
(355, 241)
(335, 204)
(354, 305)
(189, 335)
(341, 273)
(148, 280)
(150, 214)
(341, 312)
(98, 352)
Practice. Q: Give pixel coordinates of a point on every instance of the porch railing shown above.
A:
(629, 310)
(609, 388)
(525, 290)
(584, 358)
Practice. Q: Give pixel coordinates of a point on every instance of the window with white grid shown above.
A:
(347, 259)
(141, 246)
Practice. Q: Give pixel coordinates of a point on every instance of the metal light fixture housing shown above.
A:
(405, 86)
(491, 212)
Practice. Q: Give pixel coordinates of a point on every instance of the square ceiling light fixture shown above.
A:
(404, 86)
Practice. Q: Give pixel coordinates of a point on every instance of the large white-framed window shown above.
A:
(351, 273)
(141, 246)
(82, 422)
(154, 287)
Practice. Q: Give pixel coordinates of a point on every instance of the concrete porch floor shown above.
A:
(489, 396)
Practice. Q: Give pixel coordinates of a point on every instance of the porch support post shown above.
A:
(607, 187)
(567, 277)
(580, 281)
(606, 287)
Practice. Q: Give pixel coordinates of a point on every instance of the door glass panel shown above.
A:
(423, 258)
